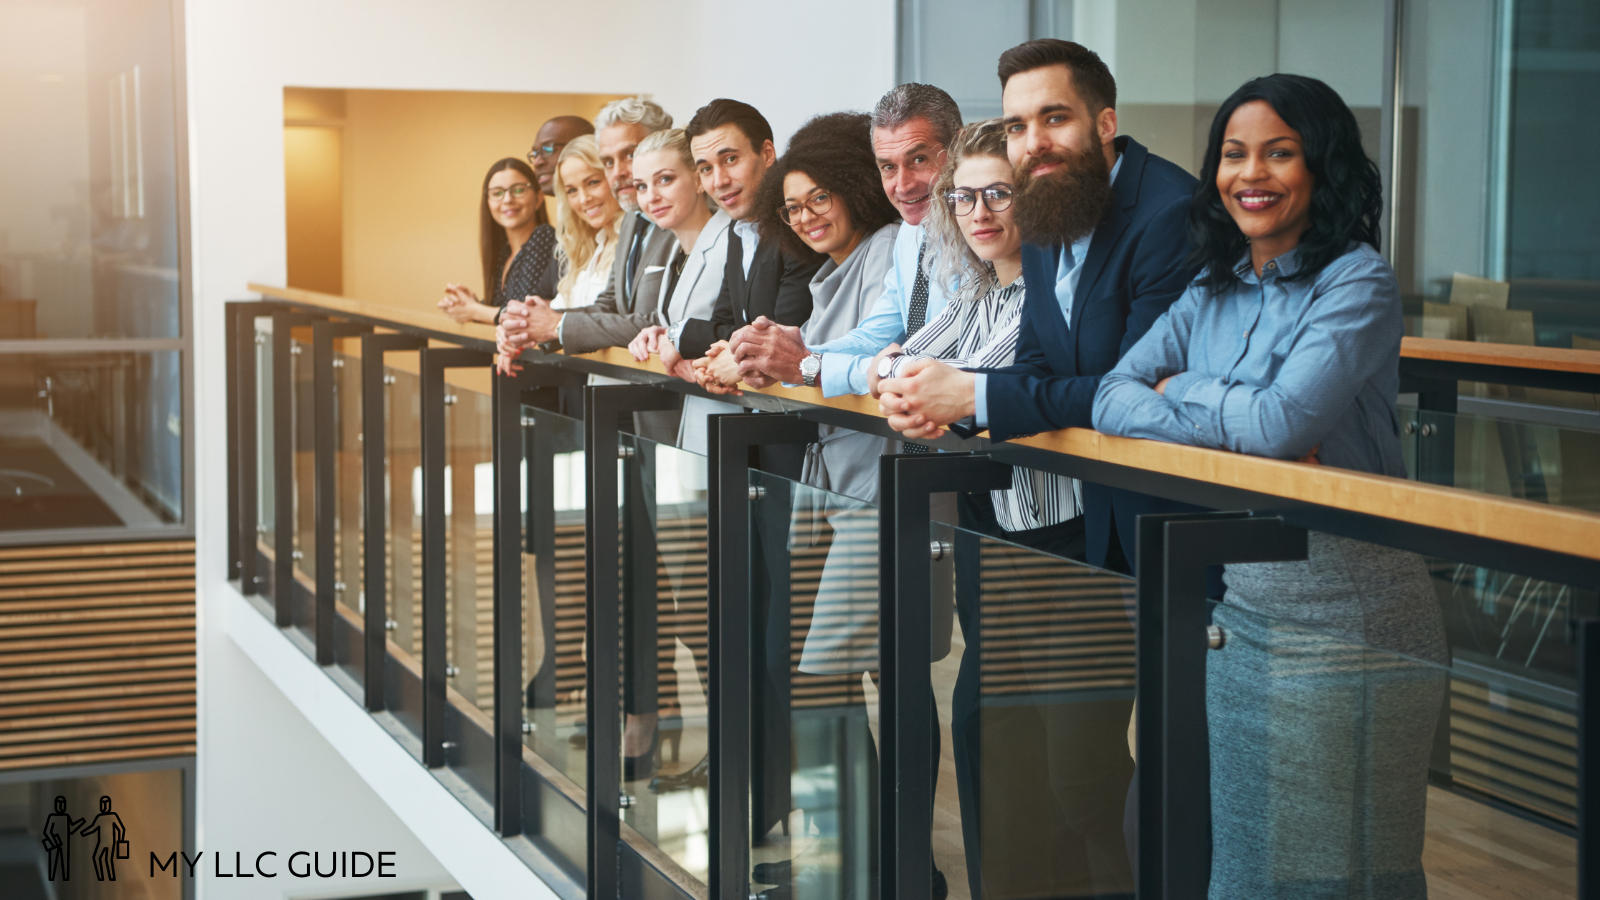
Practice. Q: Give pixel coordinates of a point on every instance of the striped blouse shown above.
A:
(973, 333)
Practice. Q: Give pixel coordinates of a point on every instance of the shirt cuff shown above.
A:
(843, 373)
(980, 399)
(1198, 400)
(560, 324)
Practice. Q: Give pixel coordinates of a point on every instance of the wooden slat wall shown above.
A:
(97, 653)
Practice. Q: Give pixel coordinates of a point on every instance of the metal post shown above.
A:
(245, 435)
(1174, 551)
(732, 439)
(603, 408)
(324, 485)
(434, 362)
(233, 358)
(1588, 756)
(906, 714)
(375, 515)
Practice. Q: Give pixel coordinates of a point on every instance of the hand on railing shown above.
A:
(768, 352)
(463, 306)
(872, 370)
(717, 372)
(647, 343)
(927, 396)
(673, 361)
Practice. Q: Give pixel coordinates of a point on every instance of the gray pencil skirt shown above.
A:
(1321, 706)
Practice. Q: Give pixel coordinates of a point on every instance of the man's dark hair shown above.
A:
(835, 150)
(1346, 189)
(1089, 73)
(722, 111)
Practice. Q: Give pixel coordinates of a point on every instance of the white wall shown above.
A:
(790, 61)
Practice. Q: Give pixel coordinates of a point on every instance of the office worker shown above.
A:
(1288, 346)
(1104, 225)
(626, 302)
(670, 194)
(516, 246)
(911, 126)
(732, 146)
(548, 143)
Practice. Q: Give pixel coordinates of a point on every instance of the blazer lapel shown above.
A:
(1124, 197)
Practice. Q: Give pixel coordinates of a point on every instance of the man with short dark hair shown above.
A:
(554, 135)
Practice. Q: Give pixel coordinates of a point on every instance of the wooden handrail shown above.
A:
(1553, 528)
(1517, 356)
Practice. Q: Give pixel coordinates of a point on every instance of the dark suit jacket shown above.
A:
(627, 305)
(1136, 267)
(779, 287)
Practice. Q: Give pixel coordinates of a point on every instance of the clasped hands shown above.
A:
(523, 323)
(925, 398)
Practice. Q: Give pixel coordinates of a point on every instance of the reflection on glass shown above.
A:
(1504, 457)
(469, 585)
(665, 745)
(303, 427)
(90, 440)
(554, 593)
(403, 474)
(349, 593)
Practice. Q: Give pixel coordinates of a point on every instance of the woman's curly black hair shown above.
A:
(1346, 189)
(835, 150)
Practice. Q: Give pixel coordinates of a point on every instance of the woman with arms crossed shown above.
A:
(1322, 703)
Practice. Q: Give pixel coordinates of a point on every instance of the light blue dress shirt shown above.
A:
(1069, 269)
(1273, 366)
(846, 359)
(749, 235)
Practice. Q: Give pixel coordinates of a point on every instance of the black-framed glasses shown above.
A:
(819, 203)
(546, 150)
(519, 189)
(996, 198)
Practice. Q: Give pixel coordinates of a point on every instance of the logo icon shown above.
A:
(110, 840)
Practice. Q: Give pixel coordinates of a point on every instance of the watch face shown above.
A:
(810, 365)
(886, 367)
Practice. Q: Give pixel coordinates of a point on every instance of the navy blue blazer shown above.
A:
(1137, 265)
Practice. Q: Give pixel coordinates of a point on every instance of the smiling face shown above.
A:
(666, 190)
(584, 188)
(991, 235)
(554, 134)
(513, 201)
(1263, 179)
(830, 232)
(909, 157)
(730, 169)
(616, 143)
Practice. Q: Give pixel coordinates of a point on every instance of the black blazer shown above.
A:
(779, 287)
(1137, 265)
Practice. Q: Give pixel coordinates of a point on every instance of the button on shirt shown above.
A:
(1273, 366)
(846, 359)
(1069, 269)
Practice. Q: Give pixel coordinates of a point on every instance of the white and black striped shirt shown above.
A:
(981, 333)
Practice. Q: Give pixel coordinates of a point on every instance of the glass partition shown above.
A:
(303, 425)
(402, 681)
(348, 545)
(266, 494)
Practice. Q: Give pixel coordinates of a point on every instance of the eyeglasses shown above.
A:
(996, 198)
(517, 190)
(547, 150)
(819, 203)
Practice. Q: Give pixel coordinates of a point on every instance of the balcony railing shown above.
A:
(519, 577)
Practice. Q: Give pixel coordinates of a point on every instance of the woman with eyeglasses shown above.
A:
(1321, 704)
(515, 244)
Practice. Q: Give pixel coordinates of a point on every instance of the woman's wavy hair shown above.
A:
(493, 248)
(835, 150)
(575, 239)
(1346, 189)
(953, 259)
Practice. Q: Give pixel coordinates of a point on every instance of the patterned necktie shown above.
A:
(916, 317)
(917, 313)
(631, 268)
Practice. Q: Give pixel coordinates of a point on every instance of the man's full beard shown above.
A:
(1061, 206)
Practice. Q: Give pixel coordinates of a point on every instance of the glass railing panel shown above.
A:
(402, 682)
(349, 654)
(1328, 702)
(303, 425)
(1504, 457)
(814, 639)
(469, 589)
(1034, 688)
(266, 495)
(90, 440)
(554, 595)
(665, 744)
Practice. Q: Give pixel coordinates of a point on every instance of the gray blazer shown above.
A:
(619, 314)
(695, 294)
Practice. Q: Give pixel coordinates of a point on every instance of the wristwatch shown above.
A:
(810, 367)
(886, 365)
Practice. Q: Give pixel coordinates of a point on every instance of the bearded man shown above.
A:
(1105, 226)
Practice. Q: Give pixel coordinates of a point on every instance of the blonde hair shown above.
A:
(668, 139)
(576, 239)
(953, 258)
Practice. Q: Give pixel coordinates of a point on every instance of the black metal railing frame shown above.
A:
(1174, 552)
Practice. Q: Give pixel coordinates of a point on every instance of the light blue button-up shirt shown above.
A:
(1273, 366)
(749, 236)
(846, 359)
(1069, 270)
